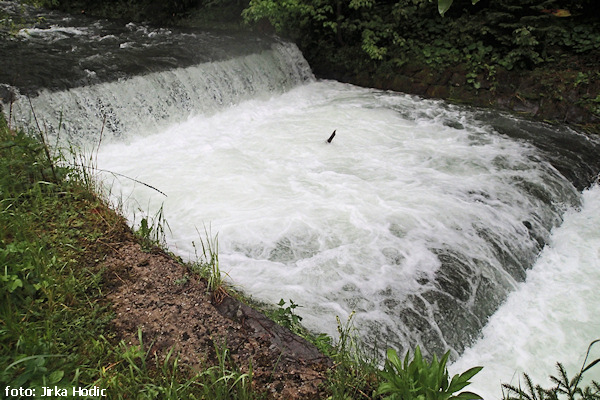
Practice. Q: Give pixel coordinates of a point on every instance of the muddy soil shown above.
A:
(156, 293)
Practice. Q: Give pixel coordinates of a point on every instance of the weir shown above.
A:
(147, 103)
(422, 216)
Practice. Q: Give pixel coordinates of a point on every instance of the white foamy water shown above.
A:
(151, 102)
(418, 215)
(550, 318)
(413, 216)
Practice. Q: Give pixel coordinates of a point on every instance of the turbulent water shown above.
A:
(417, 216)
(54, 51)
(441, 226)
(551, 317)
(149, 103)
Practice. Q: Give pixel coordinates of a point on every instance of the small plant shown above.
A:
(182, 281)
(208, 264)
(355, 374)
(285, 316)
(152, 231)
(225, 380)
(472, 80)
(418, 379)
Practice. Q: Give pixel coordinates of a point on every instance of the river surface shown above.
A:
(441, 226)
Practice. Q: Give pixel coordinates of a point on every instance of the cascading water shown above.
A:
(148, 103)
(552, 317)
(102, 77)
(421, 227)
(422, 217)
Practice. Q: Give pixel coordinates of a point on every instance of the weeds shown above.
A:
(355, 374)
(138, 374)
(45, 309)
(225, 379)
(207, 265)
(54, 324)
(419, 379)
(285, 316)
(151, 231)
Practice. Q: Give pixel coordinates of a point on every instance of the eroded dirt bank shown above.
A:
(159, 295)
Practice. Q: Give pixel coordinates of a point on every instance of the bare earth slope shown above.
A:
(157, 294)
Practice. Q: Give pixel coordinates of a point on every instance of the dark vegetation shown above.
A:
(532, 56)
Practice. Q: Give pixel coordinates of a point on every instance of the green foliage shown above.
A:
(207, 265)
(377, 37)
(594, 105)
(355, 374)
(564, 388)
(138, 374)
(285, 316)
(152, 231)
(444, 5)
(418, 379)
(54, 321)
(39, 317)
(296, 18)
(225, 380)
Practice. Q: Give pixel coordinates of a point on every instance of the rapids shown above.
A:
(441, 226)
(418, 216)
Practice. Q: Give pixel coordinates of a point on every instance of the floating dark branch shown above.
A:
(331, 137)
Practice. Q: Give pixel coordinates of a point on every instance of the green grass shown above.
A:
(207, 266)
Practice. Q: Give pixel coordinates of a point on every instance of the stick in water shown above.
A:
(331, 137)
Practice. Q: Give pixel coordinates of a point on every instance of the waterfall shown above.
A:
(422, 217)
(147, 103)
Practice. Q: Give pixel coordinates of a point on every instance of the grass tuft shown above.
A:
(565, 388)
(207, 265)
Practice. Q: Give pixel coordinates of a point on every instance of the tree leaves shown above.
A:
(444, 5)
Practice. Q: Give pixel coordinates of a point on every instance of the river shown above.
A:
(441, 226)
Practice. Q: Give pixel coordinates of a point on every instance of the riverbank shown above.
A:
(88, 303)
